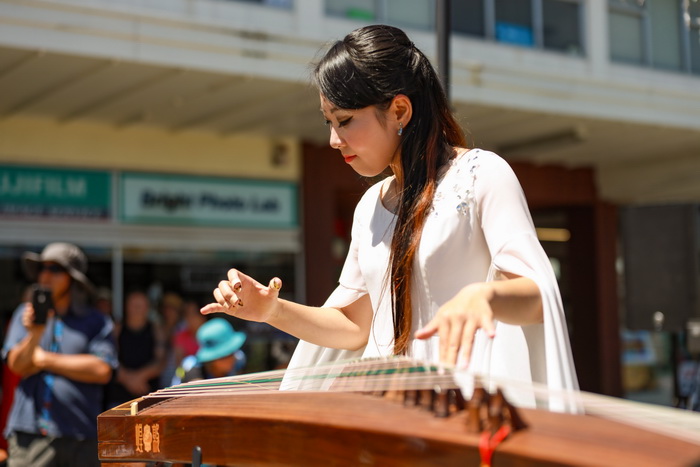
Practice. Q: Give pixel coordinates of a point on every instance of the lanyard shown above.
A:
(46, 424)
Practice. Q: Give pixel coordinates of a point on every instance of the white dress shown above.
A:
(479, 226)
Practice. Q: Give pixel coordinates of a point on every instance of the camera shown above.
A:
(42, 303)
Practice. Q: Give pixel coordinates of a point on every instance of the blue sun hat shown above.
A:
(217, 339)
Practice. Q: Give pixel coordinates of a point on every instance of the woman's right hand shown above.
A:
(244, 297)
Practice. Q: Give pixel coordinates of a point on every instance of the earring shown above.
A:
(400, 132)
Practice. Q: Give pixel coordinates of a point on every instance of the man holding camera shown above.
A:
(64, 351)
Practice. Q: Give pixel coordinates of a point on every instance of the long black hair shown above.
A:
(370, 67)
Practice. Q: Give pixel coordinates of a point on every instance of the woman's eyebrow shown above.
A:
(333, 109)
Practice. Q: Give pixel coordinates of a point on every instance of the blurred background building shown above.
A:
(174, 139)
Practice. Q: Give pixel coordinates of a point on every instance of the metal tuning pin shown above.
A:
(442, 402)
(410, 397)
(512, 416)
(496, 408)
(477, 408)
(458, 399)
(427, 399)
(491, 412)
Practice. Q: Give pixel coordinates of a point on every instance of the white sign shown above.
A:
(164, 199)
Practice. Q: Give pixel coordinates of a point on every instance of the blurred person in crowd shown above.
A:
(63, 365)
(219, 352)
(103, 301)
(141, 349)
(10, 380)
(185, 339)
(170, 313)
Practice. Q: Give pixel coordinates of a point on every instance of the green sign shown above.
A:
(54, 193)
(181, 200)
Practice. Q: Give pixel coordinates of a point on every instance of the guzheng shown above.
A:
(392, 411)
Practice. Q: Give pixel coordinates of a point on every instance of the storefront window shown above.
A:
(693, 21)
(352, 9)
(514, 22)
(549, 24)
(417, 14)
(275, 3)
(468, 17)
(153, 232)
(561, 26)
(194, 274)
(197, 272)
(647, 366)
(665, 34)
(626, 31)
(695, 50)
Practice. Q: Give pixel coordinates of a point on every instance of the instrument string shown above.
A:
(403, 373)
(387, 374)
(668, 421)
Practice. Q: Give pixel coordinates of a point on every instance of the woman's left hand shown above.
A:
(457, 321)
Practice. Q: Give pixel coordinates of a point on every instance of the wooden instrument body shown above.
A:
(316, 428)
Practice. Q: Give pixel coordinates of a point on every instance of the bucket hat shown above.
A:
(217, 339)
(67, 255)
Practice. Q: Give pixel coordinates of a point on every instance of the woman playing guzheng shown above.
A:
(444, 263)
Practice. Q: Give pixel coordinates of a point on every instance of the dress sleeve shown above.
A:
(512, 241)
(501, 205)
(351, 284)
(351, 287)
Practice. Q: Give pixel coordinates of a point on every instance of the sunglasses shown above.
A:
(52, 268)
